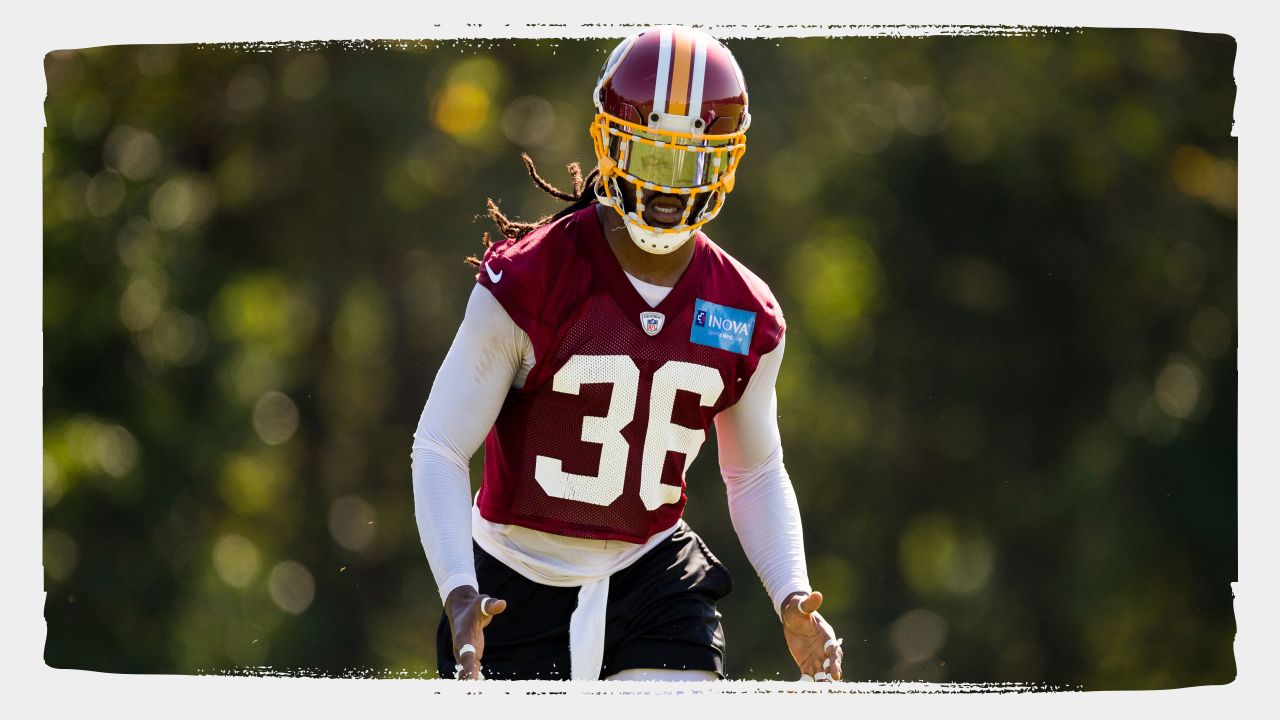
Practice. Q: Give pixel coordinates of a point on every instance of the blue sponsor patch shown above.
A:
(722, 327)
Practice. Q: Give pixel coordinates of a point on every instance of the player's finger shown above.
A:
(821, 673)
(468, 667)
(466, 653)
(833, 662)
(832, 666)
(810, 603)
(490, 606)
(469, 670)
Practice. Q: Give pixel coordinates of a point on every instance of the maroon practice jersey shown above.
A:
(620, 397)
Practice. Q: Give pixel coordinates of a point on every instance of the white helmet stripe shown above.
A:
(699, 74)
(664, 69)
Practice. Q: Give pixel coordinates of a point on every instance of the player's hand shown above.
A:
(469, 613)
(813, 644)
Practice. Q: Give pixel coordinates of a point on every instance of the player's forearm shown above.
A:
(442, 505)
(762, 503)
(466, 396)
(766, 517)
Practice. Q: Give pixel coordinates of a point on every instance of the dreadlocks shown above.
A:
(583, 195)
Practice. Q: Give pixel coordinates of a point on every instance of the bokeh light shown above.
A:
(182, 201)
(464, 105)
(135, 153)
(1211, 332)
(61, 554)
(352, 522)
(236, 559)
(936, 556)
(1178, 388)
(918, 635)
(54, 481)
(116, 450)
(839, 275)
(305, 76)
(528, 121)
(104, 193)
(292, 587)
(248, 89)
(275, 418)
(254, 483)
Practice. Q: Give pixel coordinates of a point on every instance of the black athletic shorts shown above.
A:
(661, 614)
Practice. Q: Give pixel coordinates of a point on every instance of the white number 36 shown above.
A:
(662, 436)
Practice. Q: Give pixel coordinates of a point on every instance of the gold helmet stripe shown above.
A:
(678, 98)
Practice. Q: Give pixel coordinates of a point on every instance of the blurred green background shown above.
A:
(1008, 402)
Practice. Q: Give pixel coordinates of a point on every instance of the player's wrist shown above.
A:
(460, 598)
(782, 607)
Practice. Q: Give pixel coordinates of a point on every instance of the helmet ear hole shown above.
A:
(697, 123)
(653, 117)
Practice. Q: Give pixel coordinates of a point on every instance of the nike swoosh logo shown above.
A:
(493, 276)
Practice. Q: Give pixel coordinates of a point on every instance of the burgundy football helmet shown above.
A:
(671, 117)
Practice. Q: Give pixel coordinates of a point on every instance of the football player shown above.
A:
(597, 348)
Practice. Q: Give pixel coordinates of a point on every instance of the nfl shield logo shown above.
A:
(652, 322)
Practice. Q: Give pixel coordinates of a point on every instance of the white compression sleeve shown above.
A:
(762, 503)
(489, 355)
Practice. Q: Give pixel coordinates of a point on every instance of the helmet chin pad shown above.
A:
(656, 243)
(659, 241)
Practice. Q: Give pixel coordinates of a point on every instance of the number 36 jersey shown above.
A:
(596, 442)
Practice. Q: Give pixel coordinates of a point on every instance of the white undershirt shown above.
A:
(490, 355)
(652, 294)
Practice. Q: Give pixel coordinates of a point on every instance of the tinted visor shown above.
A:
(687, 163)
